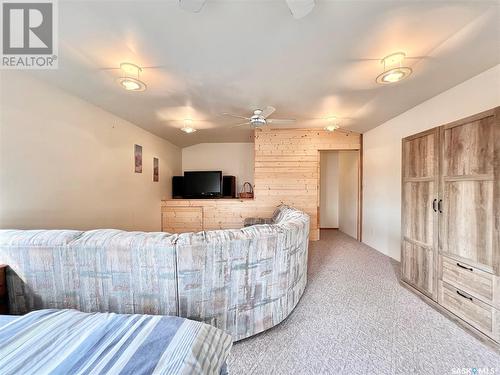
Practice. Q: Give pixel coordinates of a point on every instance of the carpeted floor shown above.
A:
(355, 318)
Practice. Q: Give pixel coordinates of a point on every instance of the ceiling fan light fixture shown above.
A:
(130, 77)
(331, 128)
(332, 124)
(188, 128)
(394, 71)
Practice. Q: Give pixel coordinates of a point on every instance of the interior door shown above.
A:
(467, 190)
(420, 179)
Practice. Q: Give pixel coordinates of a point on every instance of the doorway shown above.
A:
(339, 206)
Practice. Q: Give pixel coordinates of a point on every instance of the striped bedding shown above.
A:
(73, 342)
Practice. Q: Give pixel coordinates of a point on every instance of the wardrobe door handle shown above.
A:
(463, 295)
(464, 267)
(440, 204)
(434, 205)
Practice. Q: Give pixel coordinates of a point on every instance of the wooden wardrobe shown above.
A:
(450, 250)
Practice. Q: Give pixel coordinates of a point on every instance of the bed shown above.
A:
(73, 342)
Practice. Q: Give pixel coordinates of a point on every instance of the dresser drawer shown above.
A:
(474, 281)
(182, 219)
(474, 311)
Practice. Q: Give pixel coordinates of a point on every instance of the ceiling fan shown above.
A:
(298, 8)
(260, 118)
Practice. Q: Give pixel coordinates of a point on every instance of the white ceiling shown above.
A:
(235, 56)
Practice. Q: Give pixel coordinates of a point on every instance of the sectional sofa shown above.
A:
(243, 281)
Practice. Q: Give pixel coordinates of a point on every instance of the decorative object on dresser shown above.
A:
(244, 193)
(4, 303)
(450, 249)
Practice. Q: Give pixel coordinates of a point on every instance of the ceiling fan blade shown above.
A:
(238, 125)
(278, 121)
(300, 8)
(268, 111)
(237, 116)
(193, 6)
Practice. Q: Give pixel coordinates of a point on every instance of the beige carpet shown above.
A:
(355, 318)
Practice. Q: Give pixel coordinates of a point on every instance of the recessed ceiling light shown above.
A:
(130, 79)
(394, 71)
(187, 128)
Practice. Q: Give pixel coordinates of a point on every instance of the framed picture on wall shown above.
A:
(156, 170)
(138, 158)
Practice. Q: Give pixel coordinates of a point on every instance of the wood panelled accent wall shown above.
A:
(287, 170)
(287, 167)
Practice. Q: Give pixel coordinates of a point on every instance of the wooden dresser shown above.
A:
(4, 303)
(451, 217)
(193, 215)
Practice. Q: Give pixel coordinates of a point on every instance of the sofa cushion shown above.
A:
(36, 268)
(39, 238)
(125, 272)
(99, 270)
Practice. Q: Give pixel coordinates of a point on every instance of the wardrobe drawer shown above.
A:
(475, 312)
(467, 278)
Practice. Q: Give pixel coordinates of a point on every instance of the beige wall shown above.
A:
(382, 153)
(329, 190)
(65, 163)
(234, 159)
(348, 192)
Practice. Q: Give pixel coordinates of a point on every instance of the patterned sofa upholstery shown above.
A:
(100, 270)
(241, 280)
(244, 280)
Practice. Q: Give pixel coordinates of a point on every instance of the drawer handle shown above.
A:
(464, 267)
(434, 205)
(463, 295)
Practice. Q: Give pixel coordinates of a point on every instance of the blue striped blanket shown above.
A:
(73, 342)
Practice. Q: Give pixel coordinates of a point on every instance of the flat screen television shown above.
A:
(203, 184)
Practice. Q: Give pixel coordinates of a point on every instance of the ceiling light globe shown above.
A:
(394, 75)
(131, 84)
(188, 129)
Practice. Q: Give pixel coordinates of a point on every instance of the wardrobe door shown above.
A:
(419, 210)
(467, 190)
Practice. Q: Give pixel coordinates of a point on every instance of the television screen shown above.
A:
(203, 184)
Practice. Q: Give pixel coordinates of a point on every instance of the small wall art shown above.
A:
(156, 170)
(138, 158)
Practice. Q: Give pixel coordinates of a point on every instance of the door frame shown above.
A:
(359, 201)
